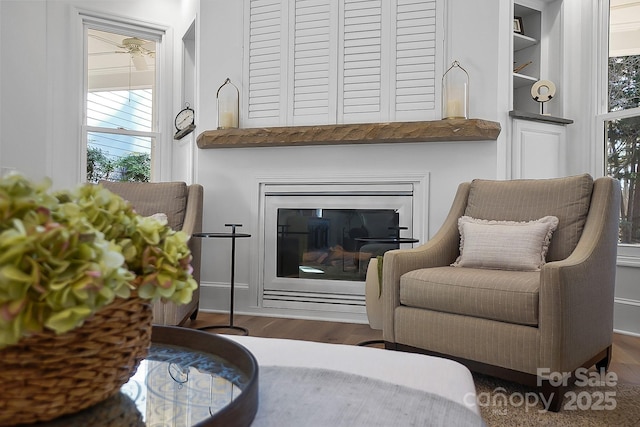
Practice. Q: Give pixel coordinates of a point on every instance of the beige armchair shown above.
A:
(523, 326)
(183, 206)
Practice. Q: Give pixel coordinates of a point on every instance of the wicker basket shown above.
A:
(46, 375)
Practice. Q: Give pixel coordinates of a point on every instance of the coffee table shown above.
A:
(189, 378)
(426, 375)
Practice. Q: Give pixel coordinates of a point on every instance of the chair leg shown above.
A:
(554, 395)
(606, 360)
(390, 345)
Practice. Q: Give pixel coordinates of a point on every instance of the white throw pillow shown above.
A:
(161, 217)
(504, 245)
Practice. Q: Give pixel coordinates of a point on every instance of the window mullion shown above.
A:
(620, 114)
(122, 131)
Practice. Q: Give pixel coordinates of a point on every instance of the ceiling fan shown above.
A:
(133, 46)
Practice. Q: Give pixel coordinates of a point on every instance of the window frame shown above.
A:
(160, 163)
(628, 254)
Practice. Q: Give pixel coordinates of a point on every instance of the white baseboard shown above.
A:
(626, 316)
(631, 334)
(215, 297)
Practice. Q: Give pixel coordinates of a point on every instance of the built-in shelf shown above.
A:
(526, 115)
(528, 54)
(365, 133)
(520, 41)
(521, 80)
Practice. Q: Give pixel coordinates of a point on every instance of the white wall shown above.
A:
(185, 72)
(579, 62)
(25, 121)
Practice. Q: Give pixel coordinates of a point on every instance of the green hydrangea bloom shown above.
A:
(65, 255)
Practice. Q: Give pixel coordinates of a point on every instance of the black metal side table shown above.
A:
(233, 236)
(394, 239)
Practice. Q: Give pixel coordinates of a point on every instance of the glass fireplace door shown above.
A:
(312, 244)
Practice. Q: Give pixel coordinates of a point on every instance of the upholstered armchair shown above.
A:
(183, 206)
(492, 301)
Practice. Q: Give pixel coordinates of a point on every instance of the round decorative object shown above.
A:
(185, 118)
(46, 375)
(543, 90)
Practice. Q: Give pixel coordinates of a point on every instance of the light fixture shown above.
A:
(455, 92)
(228, 105)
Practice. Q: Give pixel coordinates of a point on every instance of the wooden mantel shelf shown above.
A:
(365, 133)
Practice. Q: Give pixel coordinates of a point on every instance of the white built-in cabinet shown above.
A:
(538, 141)
(340, 61)
(538, 149)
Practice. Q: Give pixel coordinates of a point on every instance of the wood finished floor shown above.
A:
(626, 349)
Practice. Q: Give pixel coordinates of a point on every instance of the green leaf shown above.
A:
(67, 319)
(11, 273)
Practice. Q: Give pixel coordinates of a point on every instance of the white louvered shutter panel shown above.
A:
(361, 95)
(313, 52)
(341, 61)
(265, 61)
(415, 64)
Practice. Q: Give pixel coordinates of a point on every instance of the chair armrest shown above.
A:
(576, 294)
(441, 250)
(193, 224)
(193, 211)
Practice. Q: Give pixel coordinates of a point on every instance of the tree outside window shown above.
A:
(132, 167)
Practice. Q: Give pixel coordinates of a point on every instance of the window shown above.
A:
(622, 117)
(121, 128)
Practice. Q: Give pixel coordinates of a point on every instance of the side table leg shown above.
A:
(232, 286)
(233, 283)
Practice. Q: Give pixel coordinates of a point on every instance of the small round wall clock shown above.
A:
(184, 122)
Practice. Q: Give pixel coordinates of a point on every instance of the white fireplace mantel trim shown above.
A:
(420, 226)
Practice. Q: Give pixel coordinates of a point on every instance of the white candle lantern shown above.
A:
(228, 105)
(455, 92)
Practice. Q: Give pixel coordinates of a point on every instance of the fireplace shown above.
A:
(314, 252)
(328, 244)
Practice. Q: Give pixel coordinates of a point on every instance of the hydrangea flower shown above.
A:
(64, 255)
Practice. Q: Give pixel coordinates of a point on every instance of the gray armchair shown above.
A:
(517, 325)
(183, 206)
